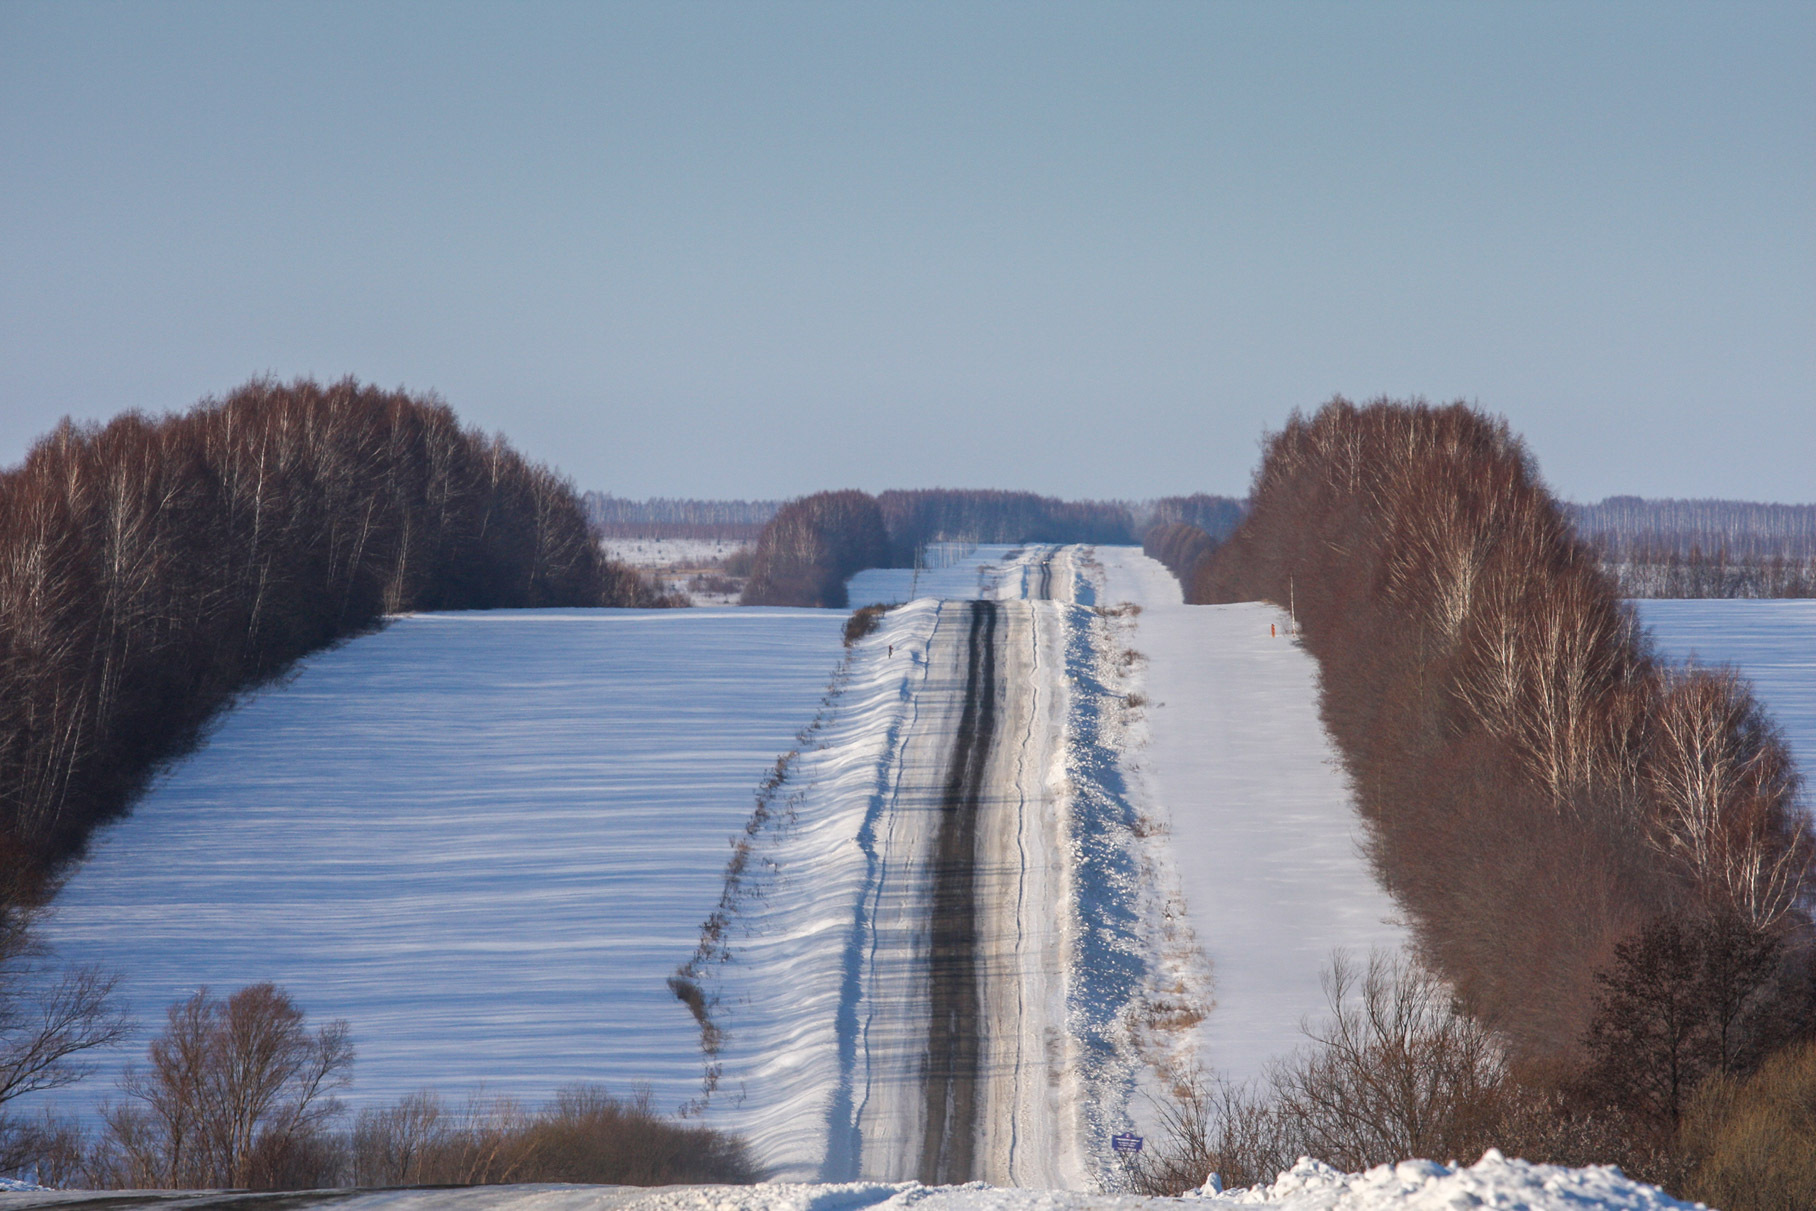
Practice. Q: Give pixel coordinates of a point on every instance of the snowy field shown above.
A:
(1772, 643)
(1264, 838)
(484, 839)
(650, 553)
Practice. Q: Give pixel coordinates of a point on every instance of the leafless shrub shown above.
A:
(234, 1094)
(864, 621)
(49, 1020)
(53, 1149)
(421, 1141)
(1211, 1126)
(583, 1135)
(1394, 1069)
(1754, 1140)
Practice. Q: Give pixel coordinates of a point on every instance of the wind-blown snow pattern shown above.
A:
(1770, 643)
(485, 839)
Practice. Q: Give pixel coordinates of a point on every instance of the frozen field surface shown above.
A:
(670, 552)
(1266, 843)
(1772, 643)
(484, 839)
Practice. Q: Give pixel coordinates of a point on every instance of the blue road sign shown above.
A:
(1126, 1142)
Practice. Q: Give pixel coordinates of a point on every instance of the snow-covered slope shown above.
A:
(1772, 643)
(1266, 843)
(485, 839)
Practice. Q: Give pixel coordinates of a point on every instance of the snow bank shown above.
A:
(1494, 1181)
(485, 839)
(780, 979)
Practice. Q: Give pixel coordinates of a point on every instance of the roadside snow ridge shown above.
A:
(1494, 1181)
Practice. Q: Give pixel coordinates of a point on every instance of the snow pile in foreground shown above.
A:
(1493, 1181)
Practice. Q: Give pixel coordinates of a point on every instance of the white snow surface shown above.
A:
(1771, 643)
(1264, 834)
(951, 571)
(1418, 1185)
(485, 839)
(654, 553)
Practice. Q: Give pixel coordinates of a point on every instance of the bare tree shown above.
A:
(229, 1083)
(1394, 1070)
(49, 1020)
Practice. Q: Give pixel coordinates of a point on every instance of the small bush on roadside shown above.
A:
(1394, 1069)
(864, 621)
(1755, 1140)
(583, 1135)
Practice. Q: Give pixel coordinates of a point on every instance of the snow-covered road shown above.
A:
(940, 810)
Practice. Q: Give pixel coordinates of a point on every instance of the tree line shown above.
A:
(151, 568)
(1748, 531)
(1217, 516)
(813, 544)
(668, 517)
(241, 1092)
(1651, 572)
(1605, 858)
(1180, 546)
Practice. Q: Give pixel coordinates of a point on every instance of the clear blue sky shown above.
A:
(759, 249)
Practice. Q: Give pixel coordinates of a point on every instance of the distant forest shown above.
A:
(673, 517)
(1622, 525)
(152, 568)
(1702, 548)
(813, 544)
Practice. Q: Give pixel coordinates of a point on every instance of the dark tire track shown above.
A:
(948, 1147)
